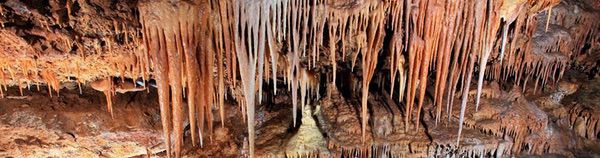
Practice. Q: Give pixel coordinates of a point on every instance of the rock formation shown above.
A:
(434, 78)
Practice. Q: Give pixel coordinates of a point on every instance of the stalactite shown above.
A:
(548, 19)
(431, 38)
(274, 56)
(51, 80)
(492, 22)
(162, 81)
(249, 58)
(332, 52)
(294, 58)
(106, 86)
(479, 29)
(504, 36)
(443, 60)
(465, 96)
(397, 65)
(221, 86)
(396, 48)
(176, 49)
(209, 76)
(374, 37)
(174, 62)
(416, 46)
(192, 75)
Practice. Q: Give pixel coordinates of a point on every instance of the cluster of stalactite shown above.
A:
(584, 122)
(535, 123)
(261, 36)
(25, 67)
(182, 57)
(537, 60)
(26, 72)
(527, 126)
(195, 49)
(14, 44)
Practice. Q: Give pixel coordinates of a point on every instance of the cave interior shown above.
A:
(300, 78)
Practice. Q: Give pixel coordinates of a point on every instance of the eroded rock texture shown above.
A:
(299, 78)
(74, 125)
